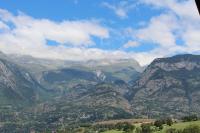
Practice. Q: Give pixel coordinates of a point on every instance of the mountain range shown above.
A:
(56, 92)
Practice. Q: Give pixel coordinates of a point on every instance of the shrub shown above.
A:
(190, 118)
(169, 121)
(146, 128)
(159, 124)
(172, 130)
(125, 126)
(138, 130)
(192, 129)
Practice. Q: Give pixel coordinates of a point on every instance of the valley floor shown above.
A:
(179, 125)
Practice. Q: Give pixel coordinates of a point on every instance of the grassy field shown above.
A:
(113, 131)
(180, 125)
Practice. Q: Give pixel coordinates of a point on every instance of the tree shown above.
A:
(128, 128)
(159, 124)
(146, 128)
(125, 126)
(190, 118)
(169, 121)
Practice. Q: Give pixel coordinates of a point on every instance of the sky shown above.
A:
(99, 29)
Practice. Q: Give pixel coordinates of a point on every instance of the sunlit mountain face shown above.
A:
(75, 66)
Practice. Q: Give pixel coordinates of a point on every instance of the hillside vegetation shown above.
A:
(166, 129)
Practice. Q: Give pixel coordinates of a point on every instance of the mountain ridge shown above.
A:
(17, 85)
(168, 84)
(167, 87)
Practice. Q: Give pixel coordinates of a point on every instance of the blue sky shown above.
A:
(99, 29)
(81, 10)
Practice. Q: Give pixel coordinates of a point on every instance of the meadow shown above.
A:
(178, 125)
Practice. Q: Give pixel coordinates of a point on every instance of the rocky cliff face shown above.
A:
(17, 86)
(169, 86)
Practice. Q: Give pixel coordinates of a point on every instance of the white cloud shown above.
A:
(130, 44)
(77, 33)
(178, 21)
(183, 8)
(3, 26)
(25, 35)
(121, 9)
(159, 30)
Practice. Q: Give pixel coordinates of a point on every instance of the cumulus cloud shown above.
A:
(22, 34)
(66, 32)
(160, 30)
(179, 20)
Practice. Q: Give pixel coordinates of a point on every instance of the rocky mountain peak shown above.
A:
(169, 84)
(186, 61)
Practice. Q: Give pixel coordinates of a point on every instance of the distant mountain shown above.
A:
(113, 64)
(124, 69)
(68, 77)
(64, 74)
(61, 75)
(168, 86)
(17, 86)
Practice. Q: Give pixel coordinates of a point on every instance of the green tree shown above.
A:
(169, 121)
(190, 118)
(146, 128)
(159, 124)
